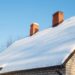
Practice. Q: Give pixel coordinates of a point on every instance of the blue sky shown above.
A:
(17, 15)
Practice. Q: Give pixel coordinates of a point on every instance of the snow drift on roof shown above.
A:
(46, 48)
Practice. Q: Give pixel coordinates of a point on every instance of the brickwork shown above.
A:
(58, 18)
(34, 28)
(70, 66)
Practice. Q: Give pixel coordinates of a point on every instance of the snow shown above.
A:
(35, 23)
(3, 65)
(46, 48)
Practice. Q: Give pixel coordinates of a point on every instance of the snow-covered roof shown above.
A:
(46, 48)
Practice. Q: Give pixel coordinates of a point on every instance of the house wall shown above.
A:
(70, 66)
(45, 71)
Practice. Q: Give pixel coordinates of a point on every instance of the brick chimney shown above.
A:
(34, 28)
(58, 18)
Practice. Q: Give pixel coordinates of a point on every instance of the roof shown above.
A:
(49, 47)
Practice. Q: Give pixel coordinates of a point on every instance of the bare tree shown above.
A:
(9, 42)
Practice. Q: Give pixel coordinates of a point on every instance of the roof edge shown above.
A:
(69, 56)
(44, 68)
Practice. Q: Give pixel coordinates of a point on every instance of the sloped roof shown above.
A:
(46, 48)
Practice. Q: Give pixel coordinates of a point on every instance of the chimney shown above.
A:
(58, 18)
(34, 28)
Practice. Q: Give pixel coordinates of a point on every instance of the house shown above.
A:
(48, 52)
